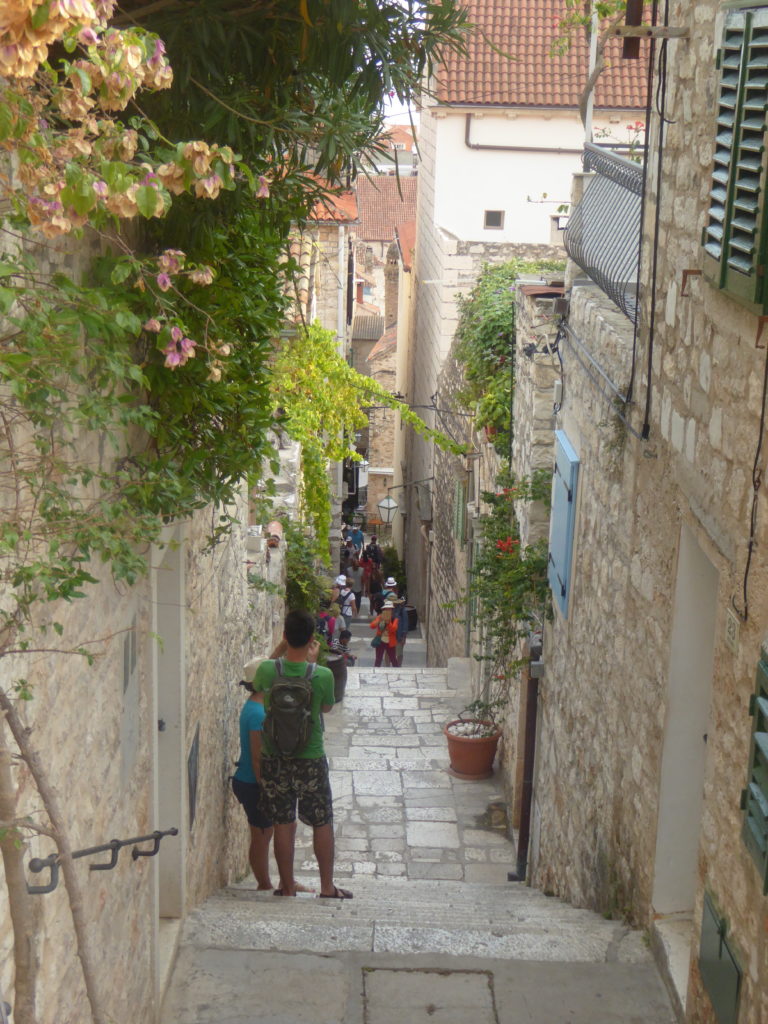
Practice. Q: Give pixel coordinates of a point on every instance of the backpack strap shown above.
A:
(309, 671)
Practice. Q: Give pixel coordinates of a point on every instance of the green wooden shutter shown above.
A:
(735, 239)
(754, 799)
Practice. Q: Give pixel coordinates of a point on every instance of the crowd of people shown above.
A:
(361, 579)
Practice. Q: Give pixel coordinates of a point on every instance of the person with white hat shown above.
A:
(399, 615)
(385, 637)
(346, 599)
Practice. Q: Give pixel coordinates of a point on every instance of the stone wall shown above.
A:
(611, 824)
(97, 728)
(381, 438)
(444, 268)
(447, 631)
(101, 730)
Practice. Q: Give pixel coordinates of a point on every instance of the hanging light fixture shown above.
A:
(387, 509)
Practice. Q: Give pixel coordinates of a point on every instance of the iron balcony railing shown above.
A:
(603, 233)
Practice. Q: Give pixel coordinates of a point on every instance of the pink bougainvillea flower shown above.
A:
(171, 260)
(208, 188)
(152, 325)
(263, 192)
(203, 275)
(177, 352)
(173, 357)
(163, 282)
(87, 37)
(176, 334)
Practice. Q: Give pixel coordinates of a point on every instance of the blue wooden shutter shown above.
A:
(754, 798)
(562, 520)
(735, 234)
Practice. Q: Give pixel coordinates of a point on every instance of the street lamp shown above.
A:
(387, 509)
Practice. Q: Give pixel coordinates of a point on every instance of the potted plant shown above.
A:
(473, 738)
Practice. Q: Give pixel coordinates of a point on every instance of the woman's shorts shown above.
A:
(251, 796)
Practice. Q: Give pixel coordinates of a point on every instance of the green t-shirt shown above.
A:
(322, 694)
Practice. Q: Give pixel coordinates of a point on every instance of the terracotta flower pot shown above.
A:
(472, 757)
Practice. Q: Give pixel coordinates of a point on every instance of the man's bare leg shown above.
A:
(323, 844)
(285, 842)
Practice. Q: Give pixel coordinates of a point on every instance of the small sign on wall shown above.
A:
(731, 630)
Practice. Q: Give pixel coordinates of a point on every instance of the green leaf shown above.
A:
(7, 298)
(85, 80)
(121, 272)
(146, 200)
(40, 15)
(6, 121)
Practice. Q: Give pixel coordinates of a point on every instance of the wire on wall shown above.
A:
(757, 480)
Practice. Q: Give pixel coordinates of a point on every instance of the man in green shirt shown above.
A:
(301, 780)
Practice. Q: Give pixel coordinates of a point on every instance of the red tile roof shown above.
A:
(525, 73)
(385, 344)
(384, 202)
(339, 209)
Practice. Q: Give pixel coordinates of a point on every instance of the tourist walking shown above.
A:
(385, 636)
(399, 614)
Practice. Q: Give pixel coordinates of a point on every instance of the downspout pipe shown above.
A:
(510, 149)
(520, 873)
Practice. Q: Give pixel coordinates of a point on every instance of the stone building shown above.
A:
(493, 136)
(651, 783)
(142, 739)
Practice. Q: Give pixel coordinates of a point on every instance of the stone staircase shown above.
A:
(420, 917)
(433, 918)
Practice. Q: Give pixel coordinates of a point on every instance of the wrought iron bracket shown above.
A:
(650, 32)
(52, 864)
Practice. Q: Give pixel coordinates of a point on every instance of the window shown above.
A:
(735, 237)
(494, 218)
(754, 799)
(562, 520)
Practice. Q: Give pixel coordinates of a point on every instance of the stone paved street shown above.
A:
(435, 933)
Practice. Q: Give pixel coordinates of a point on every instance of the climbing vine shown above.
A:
(485, 343)
(318, 399)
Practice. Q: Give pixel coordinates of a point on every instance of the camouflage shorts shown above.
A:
(287, 781)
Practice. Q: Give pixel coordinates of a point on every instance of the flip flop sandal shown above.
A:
(337, 894)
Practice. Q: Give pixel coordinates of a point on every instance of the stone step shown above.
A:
(500, 921)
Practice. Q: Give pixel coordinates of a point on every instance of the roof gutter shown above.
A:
(510, 149)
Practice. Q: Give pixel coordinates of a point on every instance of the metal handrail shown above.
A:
(603, 233)
(51, 862)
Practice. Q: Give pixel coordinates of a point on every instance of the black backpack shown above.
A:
(288, 722)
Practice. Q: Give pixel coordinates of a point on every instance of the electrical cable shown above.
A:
(646, 141)
(661, 95)
(757, 480)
